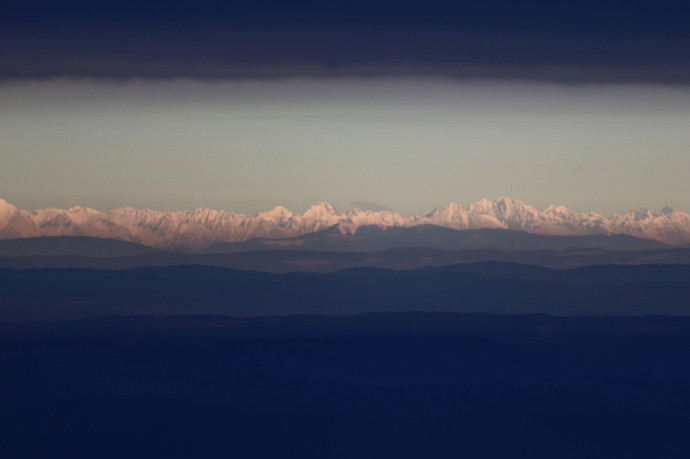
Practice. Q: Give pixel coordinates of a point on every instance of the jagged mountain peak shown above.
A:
(322, 207)
(507, 200)
(322, 210)
(450, 208)
(6, 207)
(130, 210)
(557, 209)
(7, 211)
(641, 214)
(79, 210)
(453, 208)
(276, 212)
(501, 203)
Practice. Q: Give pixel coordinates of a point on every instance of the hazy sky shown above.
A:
(409, 104)
(410, 144)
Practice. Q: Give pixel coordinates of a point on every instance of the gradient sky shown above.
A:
(244, 105)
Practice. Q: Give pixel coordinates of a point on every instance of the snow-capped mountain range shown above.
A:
(199, 228)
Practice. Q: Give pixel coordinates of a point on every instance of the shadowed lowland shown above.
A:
(479, 287)
(372, 385)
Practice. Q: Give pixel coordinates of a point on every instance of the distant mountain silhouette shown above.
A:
(284, 261)
(374, 237)
(484, 287)
(71, 245)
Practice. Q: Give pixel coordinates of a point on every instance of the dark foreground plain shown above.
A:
(370, 385)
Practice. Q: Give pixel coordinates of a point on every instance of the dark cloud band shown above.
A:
(583, 42)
